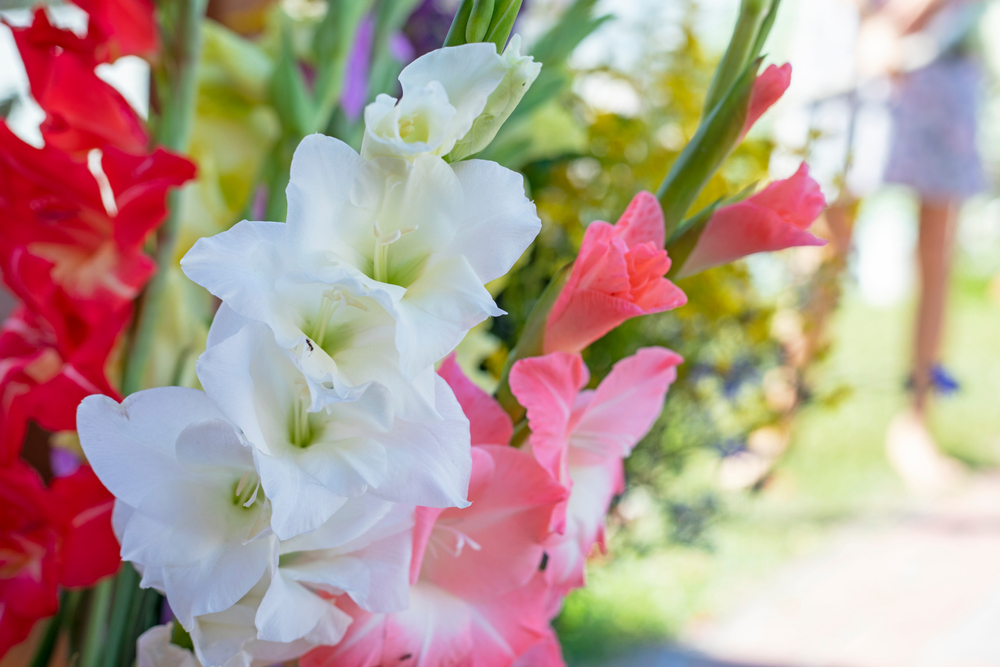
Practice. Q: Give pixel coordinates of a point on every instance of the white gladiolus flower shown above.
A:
(443, 93)
(421, 239)
(521, 73)
(364, 551)
(153, 649)
(343, 341)
(189, 512)
(229, 638)
(312, 462)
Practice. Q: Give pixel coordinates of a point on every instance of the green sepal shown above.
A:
(456, 33)
(479, 21)
(503, 23)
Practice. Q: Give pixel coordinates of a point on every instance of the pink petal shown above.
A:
(504, 528)
(424, 519)
(594, 486)
(586, 317)
(774, 219)
(797, 199)
(546, 653)
(642, 221)
(488, 422)
(547, 388)
(626, 403)
(767, 89)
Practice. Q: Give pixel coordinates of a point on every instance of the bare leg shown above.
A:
(934, 250)
(909, 444)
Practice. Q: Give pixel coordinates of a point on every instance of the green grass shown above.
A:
(834, 471)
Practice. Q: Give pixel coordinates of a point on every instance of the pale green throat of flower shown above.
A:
(333, 299)
(383, 240)
(301, 434)
(246, 488)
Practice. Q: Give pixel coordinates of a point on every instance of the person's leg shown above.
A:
(934, 250)
(910, 446)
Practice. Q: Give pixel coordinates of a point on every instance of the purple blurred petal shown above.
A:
(63, 461)
(400, 48)
(355, 92)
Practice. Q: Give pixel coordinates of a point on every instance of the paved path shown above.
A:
(919, 589)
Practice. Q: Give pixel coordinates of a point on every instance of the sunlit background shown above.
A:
(763, 523)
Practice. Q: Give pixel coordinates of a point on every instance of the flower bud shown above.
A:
(521, 72)
(479, 21)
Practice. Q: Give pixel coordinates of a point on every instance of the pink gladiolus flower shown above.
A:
(775, 218)
(477, 597)
(617, 275)
(767, 89)
(581, 437)
(489, 424)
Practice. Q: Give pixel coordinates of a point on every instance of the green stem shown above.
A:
(531, 343)
(126, 589)
(180, 71)
(43, 654)
(97, 614)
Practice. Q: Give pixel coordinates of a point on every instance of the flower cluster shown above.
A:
(74, 216)
(328, 488)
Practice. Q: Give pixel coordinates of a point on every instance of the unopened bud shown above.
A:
(479, 21)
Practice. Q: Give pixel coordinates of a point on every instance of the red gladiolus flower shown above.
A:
(53, 537)
(83, 111)
(72, 243)
(775, 218)
(44, 379)
(617, 275)
(767, 89)
(124, 27)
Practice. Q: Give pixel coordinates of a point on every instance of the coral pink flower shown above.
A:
(477, 597)
(53, 537)
(767, 89)
(83, 111)
(581, 437)
(775, 218)
(617, 275)
(489, 424)
(546, 653)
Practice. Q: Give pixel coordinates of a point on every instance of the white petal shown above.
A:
(299, 502)
(468, 73)
(213, 443)
(439, 309)
(215, 582)
(240, 266)
(429, 463)
(320, 218)
(428, 115)
(153, 649)
(131, 446)
(498, 221)
(289, 611)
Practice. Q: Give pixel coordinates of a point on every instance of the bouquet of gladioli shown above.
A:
(337, 491)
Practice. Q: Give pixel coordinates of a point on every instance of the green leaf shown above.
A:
(288, 92)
